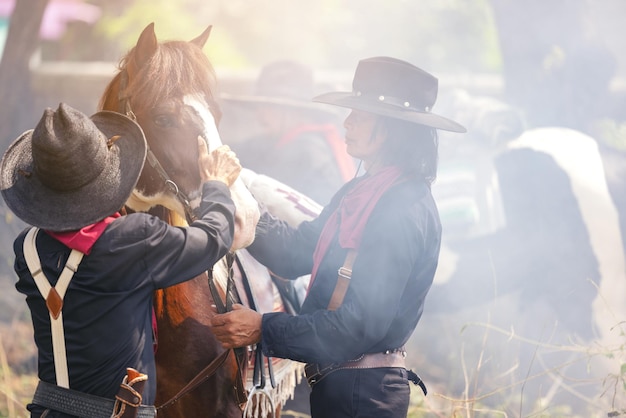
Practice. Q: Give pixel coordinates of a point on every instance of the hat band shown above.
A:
(393, 101)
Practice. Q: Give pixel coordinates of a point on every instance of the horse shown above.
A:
(532, 258)
(168, 88)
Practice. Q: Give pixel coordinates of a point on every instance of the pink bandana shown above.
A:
(353, 212)
(83, 239)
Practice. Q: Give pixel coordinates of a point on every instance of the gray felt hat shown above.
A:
(72, 170)
(283, 83)
(394, 88)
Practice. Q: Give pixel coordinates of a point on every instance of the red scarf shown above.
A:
(84, 238)
(345, 163)
(353, 212)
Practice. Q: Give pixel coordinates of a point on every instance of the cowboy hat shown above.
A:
(394, 88)
(72, 170)
(282, 83)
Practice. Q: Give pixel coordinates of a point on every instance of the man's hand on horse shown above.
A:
(221, 164)
(237, 328)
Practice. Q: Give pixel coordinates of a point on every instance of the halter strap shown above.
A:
(54, 300)
(180, 195)
(124, 104)
(122, 98)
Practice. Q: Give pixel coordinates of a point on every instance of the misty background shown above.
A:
(511, 327)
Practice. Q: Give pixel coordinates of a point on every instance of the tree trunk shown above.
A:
(537, 40)
(15, 79)
(17, 113)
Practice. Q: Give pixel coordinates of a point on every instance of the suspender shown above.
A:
(54, 300)
(343, 281)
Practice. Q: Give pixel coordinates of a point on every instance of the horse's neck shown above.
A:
(220, 269)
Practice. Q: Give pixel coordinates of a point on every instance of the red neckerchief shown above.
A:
(353, 212)
(345, 163)
(84, 238)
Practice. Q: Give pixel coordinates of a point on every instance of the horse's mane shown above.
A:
(176, 67)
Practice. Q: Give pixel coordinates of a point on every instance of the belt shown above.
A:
(80, 404)
(392, 358)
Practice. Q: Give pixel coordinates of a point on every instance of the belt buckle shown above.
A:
(314, 373)
(344, 272)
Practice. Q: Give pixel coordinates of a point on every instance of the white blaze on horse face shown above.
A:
(211, 134)
(247, 214)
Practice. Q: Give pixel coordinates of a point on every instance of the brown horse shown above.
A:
(168, 87)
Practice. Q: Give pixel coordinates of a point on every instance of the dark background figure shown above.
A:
(520, 209)
(296, 141)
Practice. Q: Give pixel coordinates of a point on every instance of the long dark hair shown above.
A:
(411, 147)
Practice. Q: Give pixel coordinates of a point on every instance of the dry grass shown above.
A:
(484, 378)
(18, 377)
(485, 392)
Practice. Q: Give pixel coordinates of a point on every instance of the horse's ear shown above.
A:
(201, 40)
(147, 44)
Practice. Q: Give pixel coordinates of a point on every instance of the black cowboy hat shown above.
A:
(394, 88)
(282, 83)
(72, 170)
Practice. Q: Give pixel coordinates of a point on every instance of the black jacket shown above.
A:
(107, 310)
(391, 276)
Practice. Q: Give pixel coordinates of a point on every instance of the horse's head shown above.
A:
(169, 87)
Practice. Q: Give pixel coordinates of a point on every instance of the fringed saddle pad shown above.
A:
(262, 295)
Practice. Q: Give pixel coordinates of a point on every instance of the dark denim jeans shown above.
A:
(375, 393)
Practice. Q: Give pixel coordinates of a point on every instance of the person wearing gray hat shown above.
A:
(372, 253)
(296, 142)
(88, 273)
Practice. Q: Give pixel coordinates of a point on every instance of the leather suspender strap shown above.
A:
(54, 300)
(344, 274)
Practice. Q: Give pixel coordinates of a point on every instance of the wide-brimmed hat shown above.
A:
(394, 88)
(283, 83)
(72, 170)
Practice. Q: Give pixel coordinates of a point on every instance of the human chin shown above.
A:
(353, 150)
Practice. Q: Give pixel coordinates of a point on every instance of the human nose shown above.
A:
(349, 120)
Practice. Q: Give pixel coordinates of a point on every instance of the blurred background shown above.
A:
(505, 333)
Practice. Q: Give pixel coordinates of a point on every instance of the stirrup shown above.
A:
(259, 392)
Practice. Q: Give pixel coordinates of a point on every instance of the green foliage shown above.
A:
(120, 27)
(451, 35)
(612, 133)
(174, 21)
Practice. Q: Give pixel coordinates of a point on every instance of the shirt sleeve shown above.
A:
(176, 254)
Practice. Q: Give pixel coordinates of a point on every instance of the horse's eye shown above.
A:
(163, 121)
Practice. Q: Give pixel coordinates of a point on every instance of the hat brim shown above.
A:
(277, 101)
(349, 100)
(38, 205)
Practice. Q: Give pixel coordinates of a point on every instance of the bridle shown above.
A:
(209, 370)
(124, 104)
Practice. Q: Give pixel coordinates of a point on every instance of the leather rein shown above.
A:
(208, 371)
